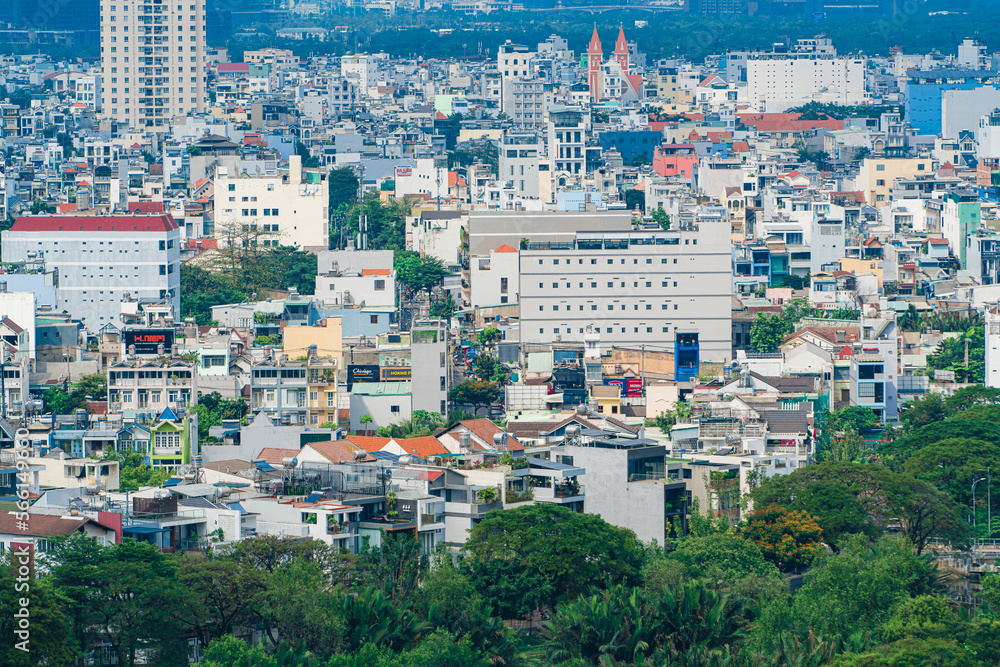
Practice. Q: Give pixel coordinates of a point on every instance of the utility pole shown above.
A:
(362, 218)
(967, 341)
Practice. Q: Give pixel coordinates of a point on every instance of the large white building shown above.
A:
(353, 277)
(992, 349)
(97, 259)
(153, 61)
(363, 68)
(292, 207)
(777, 82)
(513, 64)
(636, 287)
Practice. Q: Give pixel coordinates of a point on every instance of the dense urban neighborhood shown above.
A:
(635, 333)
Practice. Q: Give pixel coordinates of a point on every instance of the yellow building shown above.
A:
(859, 266)
(876, 176)
(321, 347)
(326, 337)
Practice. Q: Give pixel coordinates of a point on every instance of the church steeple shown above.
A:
(595, 58)
(621, 50)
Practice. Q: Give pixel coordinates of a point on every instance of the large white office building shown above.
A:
(778, 82)
(153, 60)
(97, 259)
(635, 287)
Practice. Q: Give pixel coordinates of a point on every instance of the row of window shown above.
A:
(609, 330)
(611, 306)
(593, 284)
(593, 260)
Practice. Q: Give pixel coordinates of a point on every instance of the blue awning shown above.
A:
(143, 530)
(173, 481)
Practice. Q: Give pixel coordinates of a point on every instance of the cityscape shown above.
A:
(479, 333)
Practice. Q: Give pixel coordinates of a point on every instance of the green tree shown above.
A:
(859, 588)
(200, 290)
(477, 393)
(343, 187)
(766, 333)
(844, 497)
(952, 464)
(50, 640)
(660, 217)
(489, 368)
(420, 273)
(547, 538)
(635, 199)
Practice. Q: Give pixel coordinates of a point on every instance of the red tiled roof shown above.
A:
(339, 451)
(275, 455)
(94, 223)
(367, 443)
(423, 447)
(41, 525)
(484, 429)
(234, 67)
(145, 206)
(375, 272)
(506, 247)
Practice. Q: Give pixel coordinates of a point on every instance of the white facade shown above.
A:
(363, 68)
(972, 55)
(992, 349)
(519, 163)
(20, 308)
(152, 61)
(423, 178)
(638, 288)
(778, 82)
(98, 259)
(346, 277)
(292, 206)
(512, 63)
(88, 91)
(495, 278)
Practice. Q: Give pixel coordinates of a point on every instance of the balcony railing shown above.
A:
(427, 519)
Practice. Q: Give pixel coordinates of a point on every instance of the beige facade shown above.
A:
(153, 61)
(290, 208)
(876, 176)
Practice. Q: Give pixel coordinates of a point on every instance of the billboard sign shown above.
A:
(148, 341)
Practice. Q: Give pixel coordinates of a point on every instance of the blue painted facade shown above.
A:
(631, 143)
(923, 96)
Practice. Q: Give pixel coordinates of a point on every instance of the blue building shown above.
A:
(631, 143)
(923, 94)
(686, 356)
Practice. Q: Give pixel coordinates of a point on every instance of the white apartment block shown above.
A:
(88, 91)
(97, 259)
(636, 287)
(777, 82)
(153, 61)
(530, 103)
(345, 277)
(292, 207)
(150, 385)
(513, 64)
(494, 278)
(519, 162)
(363, 68)
(992, 349)
(568, 128)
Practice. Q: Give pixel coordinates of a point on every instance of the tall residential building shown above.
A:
(512, 64)
(291, 208)
(98, 259)
(153, 60)
(993, 348)
(635, 287)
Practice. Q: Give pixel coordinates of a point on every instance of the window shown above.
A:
(880, 167)
(503, 285)
(232, 187)
(379, 284)
(394, 409)
(374, 319)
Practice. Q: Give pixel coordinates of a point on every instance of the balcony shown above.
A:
(429, 519)
(559, 491)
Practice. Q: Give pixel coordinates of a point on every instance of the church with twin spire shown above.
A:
(612, 80)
